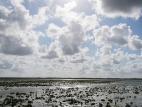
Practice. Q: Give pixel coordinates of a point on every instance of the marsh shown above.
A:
(42, 92)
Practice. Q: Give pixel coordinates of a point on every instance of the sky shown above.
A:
(71, 38)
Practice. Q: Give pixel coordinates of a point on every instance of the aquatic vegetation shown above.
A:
(90, 95)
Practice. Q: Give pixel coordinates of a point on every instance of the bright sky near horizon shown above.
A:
(71, 38)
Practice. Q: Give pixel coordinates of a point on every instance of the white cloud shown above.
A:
(41, 17)
(66, 14)
(69, 29)
(21, 16)
(5, 64)
(61, 60)
(117, 34)
(118, 57)
(132, 56)
(53, 31)
(42, 49)
(135, 43)
(116, 8)
(24, 43)
(71, 40)
(90, 22)
(18, 17)
(106, 50)
(107, 58)
(17, 3)
(14, 47)
(73, 34)
(133, 68)
(60, 12)
(19, 68)
(51, 55)
(53, 51)
(84, 69)
(78, 60)
(3, 12)
(17, 34)
(101, 66)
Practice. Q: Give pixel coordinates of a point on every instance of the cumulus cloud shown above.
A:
(67, 15)
(53, 31)
(70, 32)
(131, 56)
(90, 22)
(133, 68)
(14, 46)
(17, 3)
(117, 34)
(19, 16)
(19, 68)
(71, 40)
(5, 64)
(108, 57)
(63, 11)
(101, 66)
(80, 60)
(72, 35)
(42, 49)
(118, 57)
(108, 60)
(116, 8)
(41, 17)
(115, 61)
(16, 29)
(20, 43)
(84, 69)
(3, 12)
(106, 50)
(51, 55)
(135, 43)
(53, 51)
(61, 60)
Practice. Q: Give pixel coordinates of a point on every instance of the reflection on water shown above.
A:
(115, 94)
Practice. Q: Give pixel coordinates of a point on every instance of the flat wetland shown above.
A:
(70, 92)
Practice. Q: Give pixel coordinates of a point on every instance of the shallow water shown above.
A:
(41, 95)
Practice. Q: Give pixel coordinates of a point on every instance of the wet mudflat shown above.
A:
(39, 92)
